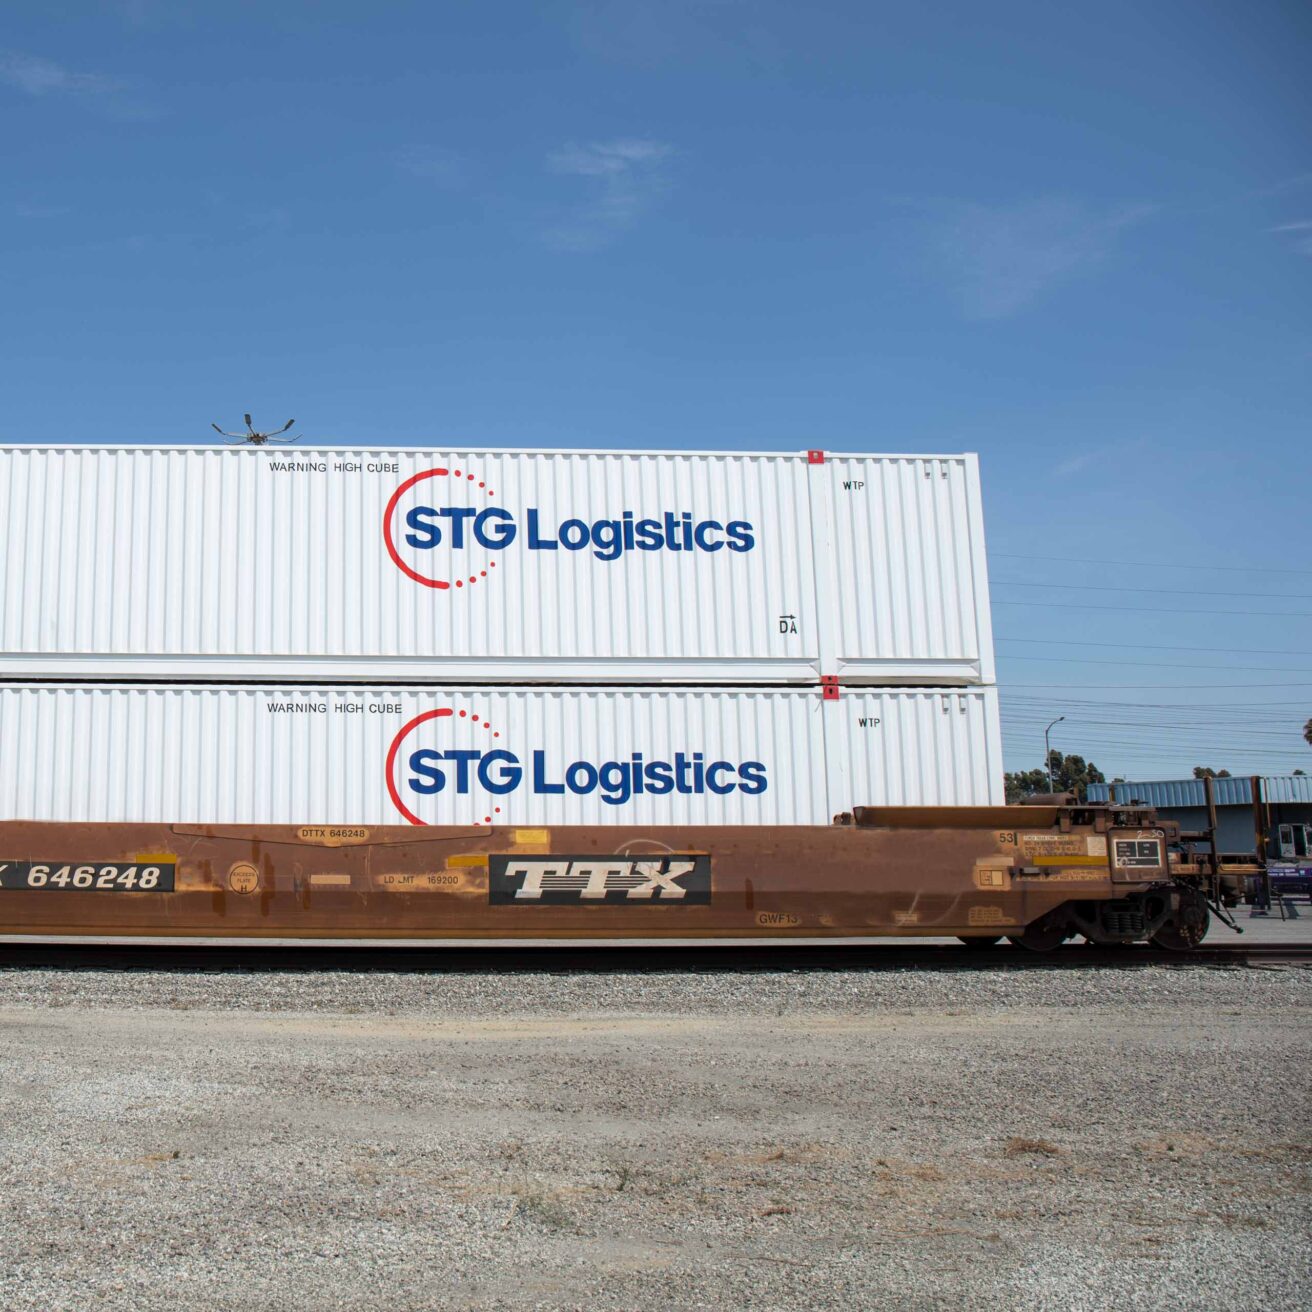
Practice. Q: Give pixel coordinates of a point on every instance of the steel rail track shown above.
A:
(575, 958)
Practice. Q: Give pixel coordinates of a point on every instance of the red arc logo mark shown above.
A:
(389, 515)
(393, 791)
(441, 713)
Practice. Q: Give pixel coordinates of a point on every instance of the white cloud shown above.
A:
(624, 178)
(1294, 183)
(34, 76)
(1074, 464)
(1303, 243)
(999, 259)
(40, 77)
(606, 158)
(1125, 451)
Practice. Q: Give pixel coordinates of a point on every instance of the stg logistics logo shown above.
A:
(444, 528)
(449, 755)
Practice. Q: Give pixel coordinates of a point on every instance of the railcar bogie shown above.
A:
(1172, 916)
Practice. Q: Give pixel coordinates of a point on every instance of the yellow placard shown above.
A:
(1066, 877)
(1072, 860)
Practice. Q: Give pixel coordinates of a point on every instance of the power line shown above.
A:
(1281, 725)
(1198, 739)
(1151, 737)
(1149, 687)
(1179, 592)
(1027, 734)
(1153, 732)
(1172, 764)
(1025, 742)
(1154, 646)
(1154, 665)
(1148, 564)
(1130, 736)
(1075, 700)
(1192, 713)
(1151, 610)
(1195, 706)
(1102, 704)
(1199, 752)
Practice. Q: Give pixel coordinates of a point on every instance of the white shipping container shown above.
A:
(188, 562)
(489, 755)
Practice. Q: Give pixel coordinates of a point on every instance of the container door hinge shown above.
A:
(815, 457)
(829, 687)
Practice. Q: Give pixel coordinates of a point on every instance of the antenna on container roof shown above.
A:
(259, 439)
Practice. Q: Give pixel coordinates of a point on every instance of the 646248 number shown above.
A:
(91, 877)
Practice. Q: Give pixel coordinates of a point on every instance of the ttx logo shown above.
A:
(680, 879)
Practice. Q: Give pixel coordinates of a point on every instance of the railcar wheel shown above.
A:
(980, 940)
(1188, 928)
(1041, 937)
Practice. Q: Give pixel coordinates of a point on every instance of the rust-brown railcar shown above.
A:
(1038, 874)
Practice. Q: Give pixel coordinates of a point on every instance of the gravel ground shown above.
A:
(1131, 1138)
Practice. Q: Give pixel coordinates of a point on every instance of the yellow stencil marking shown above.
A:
(1072, 860)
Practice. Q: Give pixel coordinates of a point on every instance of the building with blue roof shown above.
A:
(1286, 812)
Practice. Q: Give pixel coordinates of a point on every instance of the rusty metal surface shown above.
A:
(931, 874)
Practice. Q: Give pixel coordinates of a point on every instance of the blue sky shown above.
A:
(1075, 239)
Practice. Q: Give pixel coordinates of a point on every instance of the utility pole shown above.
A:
(1047, 751)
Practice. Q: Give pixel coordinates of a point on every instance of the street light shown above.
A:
(1047, 750)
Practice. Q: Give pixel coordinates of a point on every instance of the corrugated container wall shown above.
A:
(177, 563)
(489, 755)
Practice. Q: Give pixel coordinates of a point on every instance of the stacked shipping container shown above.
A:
(368, 635)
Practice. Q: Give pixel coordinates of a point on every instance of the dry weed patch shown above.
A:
(1021, 1147)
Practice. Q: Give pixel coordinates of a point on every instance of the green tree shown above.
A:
(1070, 774)
(1307, 731)
(1073, 774)
(1206, 772)
(1023, 783)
